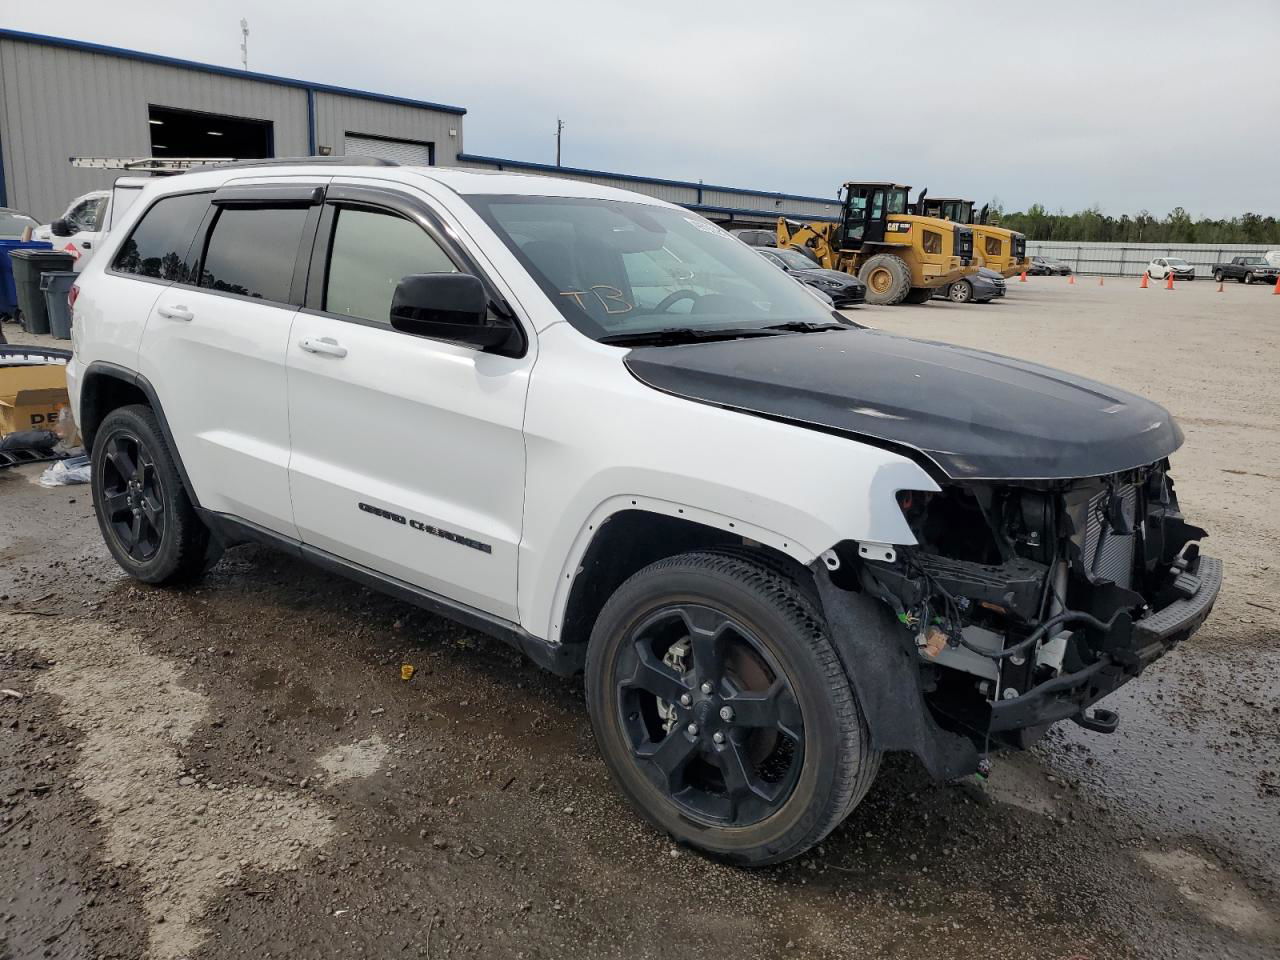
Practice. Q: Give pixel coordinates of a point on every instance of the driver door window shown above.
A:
(372, 251)
(877, 205)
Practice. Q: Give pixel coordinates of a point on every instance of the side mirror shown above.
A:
(447, 306)
(61, 228)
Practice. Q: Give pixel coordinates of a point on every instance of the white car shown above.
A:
(80, 230)
(1161, 267)
(597, 426)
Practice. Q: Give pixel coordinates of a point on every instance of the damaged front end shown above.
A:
(1022, 604)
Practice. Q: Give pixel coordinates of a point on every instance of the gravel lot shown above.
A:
(237, 769)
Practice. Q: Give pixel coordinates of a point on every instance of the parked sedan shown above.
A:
(844, 289)
(1045, 267)
(981, 287)
(1161, 267)
(14, 222)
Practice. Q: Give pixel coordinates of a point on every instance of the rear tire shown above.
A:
(961, 292)
(143, 510)
(793, 756)
(1248, 277)
(887, 277)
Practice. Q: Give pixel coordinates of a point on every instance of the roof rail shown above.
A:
(340, 160)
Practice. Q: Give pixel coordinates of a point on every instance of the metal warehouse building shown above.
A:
(62, 98)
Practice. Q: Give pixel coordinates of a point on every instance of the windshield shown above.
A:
(794, 259)
(1175, 262)
(614, 267)
(1252, 260)
(12, 224)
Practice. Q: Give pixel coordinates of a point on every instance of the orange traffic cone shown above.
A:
(1100, 281)
(1071, 279)
(1276, 291)
(1219, 286)
(1023, 278)
(1145, 278)
(1168, 280)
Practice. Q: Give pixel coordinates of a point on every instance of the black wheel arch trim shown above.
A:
(104, 368)
(560, 659)
(881, 665)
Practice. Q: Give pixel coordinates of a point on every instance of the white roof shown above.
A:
(460, 180)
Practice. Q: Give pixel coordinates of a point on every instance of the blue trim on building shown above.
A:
(156, 58)
(632, 178)
(311, 122)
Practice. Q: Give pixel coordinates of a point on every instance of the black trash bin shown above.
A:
(27, 266)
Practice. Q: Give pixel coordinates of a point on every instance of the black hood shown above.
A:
(975, 415)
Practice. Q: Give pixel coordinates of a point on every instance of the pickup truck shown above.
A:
(88, 218)
(1246, 270)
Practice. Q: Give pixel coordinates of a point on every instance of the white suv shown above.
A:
(597, 426)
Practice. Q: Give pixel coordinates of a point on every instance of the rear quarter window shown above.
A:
(159, 245)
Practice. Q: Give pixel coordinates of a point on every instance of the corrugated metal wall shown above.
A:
(57, 103)
(1131, 259)
(336, 116)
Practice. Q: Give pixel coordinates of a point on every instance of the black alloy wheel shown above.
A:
(132, 496)
(724, 736)
(144, 511)
(722, 710)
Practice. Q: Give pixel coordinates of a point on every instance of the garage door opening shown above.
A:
(189, 133)
(417, 153)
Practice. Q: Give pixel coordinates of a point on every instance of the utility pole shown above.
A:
(559, 132)
(244, 43)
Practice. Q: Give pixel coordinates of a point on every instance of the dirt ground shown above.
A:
(238, 770)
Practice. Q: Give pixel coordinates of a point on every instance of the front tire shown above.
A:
(1217, 276)
(1248, 277)
(919, 295)
(887, 278)
(143, 510)
(961, 292)
(722, 710)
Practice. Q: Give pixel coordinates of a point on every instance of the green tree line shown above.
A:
(1176, 227)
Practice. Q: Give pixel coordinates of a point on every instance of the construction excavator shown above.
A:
(900, 255)
(995, 248)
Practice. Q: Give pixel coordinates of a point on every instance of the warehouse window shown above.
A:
(160, 244)
(252, 250)
(191, 133)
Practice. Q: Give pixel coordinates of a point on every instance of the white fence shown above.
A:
(1131, 259)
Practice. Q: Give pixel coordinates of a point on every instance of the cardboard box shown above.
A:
(31, 396)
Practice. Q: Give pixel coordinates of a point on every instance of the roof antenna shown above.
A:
(244, 43)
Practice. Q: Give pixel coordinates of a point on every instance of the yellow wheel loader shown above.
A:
(899, 255)
(994, 247)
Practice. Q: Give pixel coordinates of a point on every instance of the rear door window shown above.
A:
(251, 251)
(160, 244)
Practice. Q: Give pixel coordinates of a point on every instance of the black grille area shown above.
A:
(1019, 246)
(1107, 553)
(964, 242)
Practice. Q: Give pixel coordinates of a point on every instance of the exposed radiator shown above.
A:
(1115, 560)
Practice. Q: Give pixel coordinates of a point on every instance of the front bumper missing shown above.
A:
(1068, 696)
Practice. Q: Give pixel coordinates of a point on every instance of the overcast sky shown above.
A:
(1126, 104)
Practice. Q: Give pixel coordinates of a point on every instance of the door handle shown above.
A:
(87, 244)
(176, 312)
(325, 345)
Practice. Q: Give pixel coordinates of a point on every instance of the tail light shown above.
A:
(72, 295)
